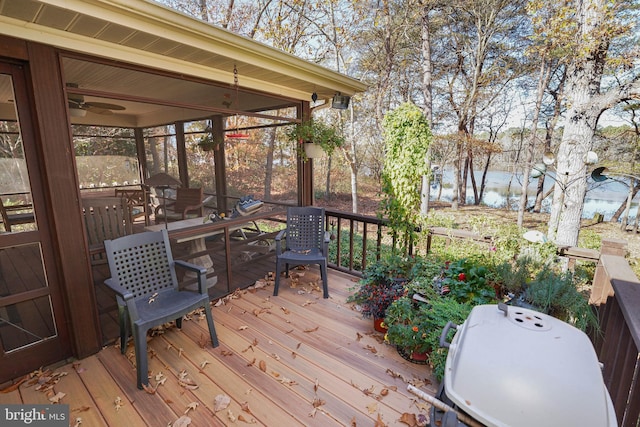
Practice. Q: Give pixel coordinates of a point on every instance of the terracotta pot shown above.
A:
(377, 325)
(413, 357)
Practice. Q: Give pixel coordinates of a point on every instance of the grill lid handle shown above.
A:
(503, 308)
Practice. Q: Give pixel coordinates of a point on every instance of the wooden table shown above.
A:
(195, 230)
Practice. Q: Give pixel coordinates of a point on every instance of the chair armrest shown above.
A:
(282, 234)
(122, 292)
(192, 208)
(199, 270)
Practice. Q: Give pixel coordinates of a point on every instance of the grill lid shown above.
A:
(521, 368)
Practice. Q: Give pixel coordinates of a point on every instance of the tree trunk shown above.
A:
(427, 76)
(584, 76)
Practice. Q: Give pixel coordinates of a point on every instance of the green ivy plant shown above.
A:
(318, 132)
(407, 138)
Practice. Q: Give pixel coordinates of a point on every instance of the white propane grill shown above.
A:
(516, 367)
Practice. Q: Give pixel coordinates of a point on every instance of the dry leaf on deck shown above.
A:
(285, 310)
(78, 422)
(371, 348)
(230, 416)
(183, 421)
(312, 329)
(253, 362)
(220, 402)
(226, 353)
(204, 363)
(409, 419)
(191, 406)
(244, 420)
(384, 392)
(372, 407)
(188, 384)
(13, 387)
(243, 327)
(379, 422)
(245, 407)
(275, 374)
(353, 422)
(358, 336)
(262, 365)
(118, 402)
(57, 397)
(149, 389)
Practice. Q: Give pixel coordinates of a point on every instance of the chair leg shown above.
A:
(276, 285)
(212, 328)
(323, 276)
(142, 366)
(124, 328)
(179, 322)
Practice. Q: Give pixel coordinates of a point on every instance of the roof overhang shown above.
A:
(145, 33)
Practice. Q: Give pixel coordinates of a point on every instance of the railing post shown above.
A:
(602, 289)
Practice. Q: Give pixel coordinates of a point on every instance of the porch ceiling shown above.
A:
(144, 33)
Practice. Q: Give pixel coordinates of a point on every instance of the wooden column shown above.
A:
(220, 168)
(305, 168)
(59, 173)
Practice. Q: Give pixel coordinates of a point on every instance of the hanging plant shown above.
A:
(207, 141)
(317, 132)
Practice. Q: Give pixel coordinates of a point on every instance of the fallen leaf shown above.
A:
(371, 348)
(312, 329)
(317, 402)
(384, 392)
(57, 397)
(409, 419)
(14, 386)
(245, 407)
(230, 416)
(244, 420)
(149, 389)
(253, 362)
(372, 407)
(353, 422)
(118, 403)
(226, 353)
(78, 422)
(81, 409)
(242, 328)
(275, 374)
(263, 366)
(220, 402)
(379, 422)
(285, 310)
(191, 406)
(358, 336)
(316, 386)
(287, 381)
(204, 363)
(183, 421)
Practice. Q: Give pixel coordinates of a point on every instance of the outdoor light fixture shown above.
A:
(340, 102)
(314, 97)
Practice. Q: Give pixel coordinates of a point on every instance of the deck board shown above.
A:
(314, 349)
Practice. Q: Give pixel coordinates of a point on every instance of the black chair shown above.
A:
(306, 242)
(144, 279)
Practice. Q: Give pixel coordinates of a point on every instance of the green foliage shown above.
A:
(468, 282)
(556, 294)
(315, 131)
(407, 138)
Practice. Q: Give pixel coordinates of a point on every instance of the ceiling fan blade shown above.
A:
(98, 110)
(105, 106)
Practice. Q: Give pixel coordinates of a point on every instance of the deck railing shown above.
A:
(615, 297)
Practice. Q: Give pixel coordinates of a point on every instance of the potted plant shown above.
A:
(207, 141)
(408, 328)
(382, 283)
(313, 137)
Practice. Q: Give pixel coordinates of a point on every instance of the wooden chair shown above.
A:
(21, 213)
(105, 218)
(138, 201)
(144, 279)
(306, 242)
(188, 204)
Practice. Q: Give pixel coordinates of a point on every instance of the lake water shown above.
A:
(604, 198)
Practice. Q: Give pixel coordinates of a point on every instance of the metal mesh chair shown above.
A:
(306, 242)
(144, 279)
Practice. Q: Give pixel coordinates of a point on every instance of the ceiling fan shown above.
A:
(79, 106)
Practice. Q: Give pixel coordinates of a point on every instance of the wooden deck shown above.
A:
(294, 359)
